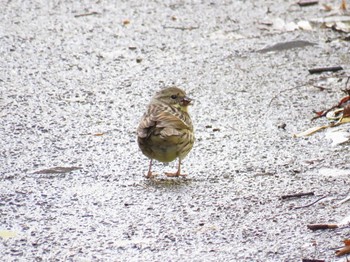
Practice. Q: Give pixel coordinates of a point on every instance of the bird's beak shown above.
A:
(186, 101)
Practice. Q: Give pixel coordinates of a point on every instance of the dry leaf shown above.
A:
(310, 131)
(345, 120)
(342, 27)
(338, 135)
(346, 112)
(343, 251)
(304, 25)
(347, 242)
(327, 7)
(343, 5)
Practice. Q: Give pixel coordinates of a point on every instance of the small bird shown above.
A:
(166, 131)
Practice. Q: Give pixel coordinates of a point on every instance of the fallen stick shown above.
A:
(322, 88)
(325, 69)
(307, 2)
(181, 27)
(314, 227)
(297, 195)
(86, 14)
(312, 260)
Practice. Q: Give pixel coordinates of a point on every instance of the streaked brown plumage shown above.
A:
(166, 131)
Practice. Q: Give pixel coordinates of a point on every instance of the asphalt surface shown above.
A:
(75, 80)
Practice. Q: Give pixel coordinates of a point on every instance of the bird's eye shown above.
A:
(174, 96)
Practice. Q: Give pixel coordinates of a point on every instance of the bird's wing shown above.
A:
(145, 126)
(160, 121)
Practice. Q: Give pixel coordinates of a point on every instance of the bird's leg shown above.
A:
(178, 172)
(149, 173)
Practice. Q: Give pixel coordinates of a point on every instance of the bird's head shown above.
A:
(175, 97)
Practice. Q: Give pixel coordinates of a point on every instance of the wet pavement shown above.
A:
(75, 81)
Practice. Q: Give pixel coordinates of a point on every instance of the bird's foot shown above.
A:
(177, 174)
(151, 175)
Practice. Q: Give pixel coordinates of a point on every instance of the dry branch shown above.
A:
(314, 227)
(297, 195)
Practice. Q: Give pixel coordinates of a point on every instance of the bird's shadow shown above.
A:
(168, 182)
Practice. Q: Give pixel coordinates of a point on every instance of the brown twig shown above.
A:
(87, 14)
(325, 69)
(307, 2)
(312, 260)
(322, 113)
(322, 88)
(325, 112)
(180, 27)
(298, 195)
(340, 103)
(314, 227)
(311, 203)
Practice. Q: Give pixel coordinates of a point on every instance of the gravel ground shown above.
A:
(75, 80)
